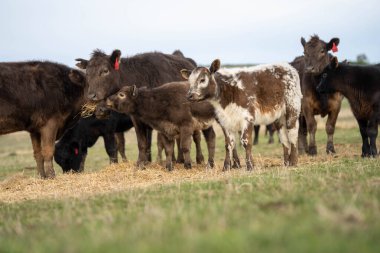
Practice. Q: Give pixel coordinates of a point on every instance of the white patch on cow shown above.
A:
(293, 134)
(266, 118)
(233, 118)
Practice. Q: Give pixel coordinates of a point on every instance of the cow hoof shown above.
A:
(187, 165)
(330, 148)
(226, 166)
(50, 174)
(210, 165)
(312, 150)
(200, 159)
(169, 167)
(249, 166)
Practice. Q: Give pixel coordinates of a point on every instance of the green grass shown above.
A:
(318, 208)
(329, 204)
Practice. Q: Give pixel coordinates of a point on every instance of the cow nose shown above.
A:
(109, 103)
(189, 95)
(92, 96)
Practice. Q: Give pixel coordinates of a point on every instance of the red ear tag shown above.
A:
(116, 64)
(334, 48)
(76, 151)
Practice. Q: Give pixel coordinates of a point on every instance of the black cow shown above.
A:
(361, 86)
(42, 98)
(71, 150)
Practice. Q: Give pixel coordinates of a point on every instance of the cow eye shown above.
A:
(202, 80)
(322, 51)
(104, 72)
(324, 75)
(121, 95)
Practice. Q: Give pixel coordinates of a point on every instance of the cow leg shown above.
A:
(149, 131)
(210, 138)
(48, 136)
(246, 140)
(292, 128)
(197, 140)
(229, 140)
(142, 142)
(180, 158)
(236, 160)
(256, 138)
(330, 129)
(186, 133)
(312, 128)
(363, 132)
(271, 131)
(169, 150)
(36, 143)
(120, 142)
(283, 135)
(372, 131)
(110, 145)
(160, 147)
(302, 136)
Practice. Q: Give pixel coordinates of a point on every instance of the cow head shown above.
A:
(102, 74)
(326, 79)
(202, 82)
(68, 154)
(124, 100)
(316, 53)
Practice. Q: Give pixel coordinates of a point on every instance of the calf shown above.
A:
(245, 97)
(166, 110)
(71, 150)
(43, 98)
(316, 58)
(361, 86)
(106, 74)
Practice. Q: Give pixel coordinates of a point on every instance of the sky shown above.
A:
(236, 32)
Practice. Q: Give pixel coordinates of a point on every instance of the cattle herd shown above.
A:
(171, 94)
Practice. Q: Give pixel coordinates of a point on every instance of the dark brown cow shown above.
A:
(316, 58)
(361, 86)
(244, 97)
(43, 98)
(166, 110)
(106, 75)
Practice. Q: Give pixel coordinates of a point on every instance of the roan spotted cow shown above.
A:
(43, 98)
(255, 95)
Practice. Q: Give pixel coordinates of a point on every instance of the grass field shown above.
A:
(326, 204)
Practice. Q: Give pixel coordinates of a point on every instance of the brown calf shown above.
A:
(166, 110)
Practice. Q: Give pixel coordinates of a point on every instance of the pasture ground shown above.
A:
(326, 204)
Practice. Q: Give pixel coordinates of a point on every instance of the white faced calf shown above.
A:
(250, 96)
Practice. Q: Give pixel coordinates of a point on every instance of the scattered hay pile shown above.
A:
(125, 176)
(88, 109)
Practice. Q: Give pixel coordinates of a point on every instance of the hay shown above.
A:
(125, 176)
(88, 109)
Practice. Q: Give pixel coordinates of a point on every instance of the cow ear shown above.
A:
(215, 65)
(185, 74)
(134, 91)
(82, 63)
(334, 62)
(77, 77)
(115, 58)
(330, 45)
(303, 41)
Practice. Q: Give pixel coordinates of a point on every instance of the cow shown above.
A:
(44, 99)
(361, 86)
(244, 97)
(71, 150)
(316, 58)
(166, 110)
(106, 74)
